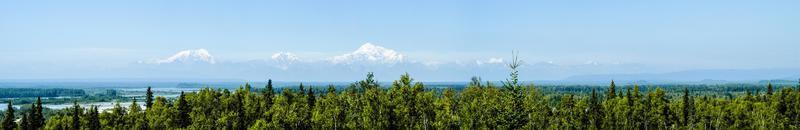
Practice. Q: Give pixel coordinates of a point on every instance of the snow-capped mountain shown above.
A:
(285, 57)
(188, 56)
(283, 60)
(386, 63)
(490, 61)
(369, 53)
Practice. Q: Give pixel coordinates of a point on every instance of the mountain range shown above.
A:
(388, 64)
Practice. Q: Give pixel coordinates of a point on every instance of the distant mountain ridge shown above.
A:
(186, 56)
(699, 75)
(388, 64)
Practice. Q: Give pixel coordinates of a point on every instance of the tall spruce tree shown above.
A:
(8, 120)
(302, 90)
(688, 107)
(512, 83)
(517, 117)
(30, 123)
(269, 94)
(595, 111)
(612, 92)
(247, 87)
(37, 118)
(237, 105)
(269, 97)
(183, 119)
(769, 89)
(148, 101)
(76, 113)
(94, 119)
(25, 123)
(311, 98)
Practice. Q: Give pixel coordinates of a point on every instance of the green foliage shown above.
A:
(161, 115)
(39, 92)
(446, 110)
(8, 120)
(410, 105)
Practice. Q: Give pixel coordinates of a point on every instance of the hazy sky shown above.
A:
(687, 34)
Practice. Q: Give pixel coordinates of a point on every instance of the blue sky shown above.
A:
(674, 34)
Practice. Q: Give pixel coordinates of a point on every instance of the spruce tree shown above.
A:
(148, 101)
(247, 87)
(269, 96)
(288, 94)
(8, 120)
(183, 119)
(629, 97)
(630, 109)
(36, 118)
(769, 89)
(331, 89)
(94, 119)
(134, 108)
(688, 107)
(301, 90)
(595, 111)
(636, 94)
(612, 91)
(368, 83)
(517, 117)
(238, 107)
(30, 123)
(76, 119)
(475, 81)
(512, 83)
(25, 123)
(311, 98)
(117, 116)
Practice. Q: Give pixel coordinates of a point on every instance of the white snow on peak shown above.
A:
(284, 59)
(371, 54)
(495, 60)
(490, 61)
(591, 63)
(196, 55)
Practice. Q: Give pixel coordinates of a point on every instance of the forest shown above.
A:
(38, 92)
(406, 104)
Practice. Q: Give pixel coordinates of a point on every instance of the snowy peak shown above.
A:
(489, 61)
(370, 53)
(196, 55)
(285, 57)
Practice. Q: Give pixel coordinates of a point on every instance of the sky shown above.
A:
(672, 35)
